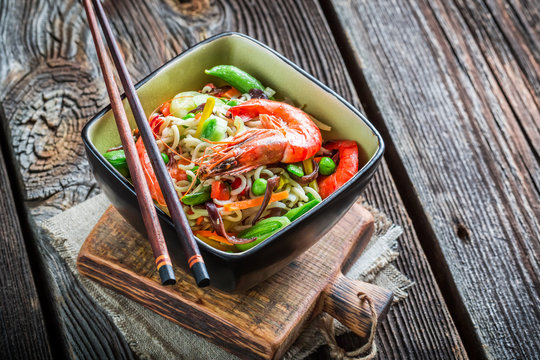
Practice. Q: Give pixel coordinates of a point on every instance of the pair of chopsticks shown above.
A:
(151, 222)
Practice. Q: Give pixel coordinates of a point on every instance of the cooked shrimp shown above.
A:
(287, 135)
(176, 173)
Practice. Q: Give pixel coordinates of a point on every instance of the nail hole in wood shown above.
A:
(462, 231)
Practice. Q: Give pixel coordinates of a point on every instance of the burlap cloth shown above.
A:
(151, 336)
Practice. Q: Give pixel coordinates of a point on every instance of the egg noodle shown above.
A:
(177, 137)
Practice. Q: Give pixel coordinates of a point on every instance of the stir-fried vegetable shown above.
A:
(239, 79)
(118, 160)
(295, 213)
(310, 176)
(259, 186)
(295, 169)
(246, 204)
(208, 107)
(219, 227)
(165, 158)
(166, 109)
(327, 166)
(199, 197)
(214, 129)
(347, 167)
(219, 244)
(220, 190)
(262, 230)
(270, 185)
(183, 103)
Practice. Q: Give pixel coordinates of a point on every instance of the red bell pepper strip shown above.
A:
(155, 124)
(346, 168)
(175, 172)
(220, 191)
(236, 184)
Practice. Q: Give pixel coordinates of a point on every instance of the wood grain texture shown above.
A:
(51, 86)
(264, 321)
(22, 328)
(456, 86)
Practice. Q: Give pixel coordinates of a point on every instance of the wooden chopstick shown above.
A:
(183, 230)
(151, 222)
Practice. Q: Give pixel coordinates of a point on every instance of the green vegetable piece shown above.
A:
(310, 196)
(195, 168)
(259, 187)
(214, 129)
(327, 166)
(262, 231)
(165, 158)
(240, 79)
(295, 213)
(117, 159)
(189, 116)
(183, 103)
(232, 103)
(198, 198)
(295, 169)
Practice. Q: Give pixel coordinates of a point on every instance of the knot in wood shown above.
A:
(47, 110)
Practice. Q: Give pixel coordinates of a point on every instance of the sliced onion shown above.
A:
(324, 152)
(219, 227)
(197, 109)
(306, 179)
(219, 91)
(257, 94)
(270, 185)
(335, 157)
(120, 147)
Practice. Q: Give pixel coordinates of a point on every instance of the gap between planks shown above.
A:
(37, 267)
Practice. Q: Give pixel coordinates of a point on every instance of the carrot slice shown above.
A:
(232, 92)
(212, 235)
(246, 204)
(166, 109)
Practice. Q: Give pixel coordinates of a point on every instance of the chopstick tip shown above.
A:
(166, 273)
(200, 274)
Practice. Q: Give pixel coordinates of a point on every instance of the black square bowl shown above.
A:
(240, 271)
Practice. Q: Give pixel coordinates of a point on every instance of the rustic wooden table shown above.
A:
(454, 86)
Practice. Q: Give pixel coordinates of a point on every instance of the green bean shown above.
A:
(117, 159)
(197, 198)
(236, 77)
(295, 169)
(262, 231)
(295, 213)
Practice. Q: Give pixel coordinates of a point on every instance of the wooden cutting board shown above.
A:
(260, 323)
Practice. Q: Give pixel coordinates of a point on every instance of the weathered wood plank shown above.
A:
(22, 327)
(456, 85)
(64, 62)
